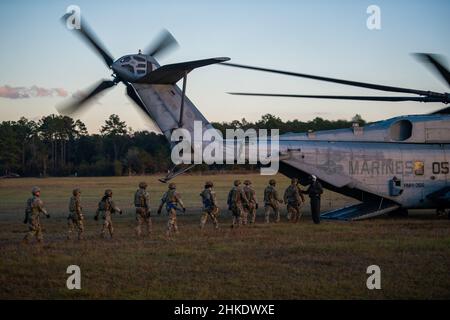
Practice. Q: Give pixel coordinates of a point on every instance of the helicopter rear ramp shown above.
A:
(361, 211)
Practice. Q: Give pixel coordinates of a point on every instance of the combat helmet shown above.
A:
(35, 190)
(172, 185)
(272, 182)
(247, 182)
(76, 191)
(237, 182)
(108, 192)
(209, 184)
(142, 185)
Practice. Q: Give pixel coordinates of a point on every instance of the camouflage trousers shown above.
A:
(75, 223)
(249, 214)
(268, 208)
(213, 213)
(294, 213)
(107, 225)
(34, 230)
(172, 223)
(236, 212)
(143, 218)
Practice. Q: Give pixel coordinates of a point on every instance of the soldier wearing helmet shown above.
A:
(106, 207)
(171, 198)
(75, 218)
(210, 207)
(252, 205)
(271, 201)
(142, 204)
(294, 199)
(34, 209)
(236, 201)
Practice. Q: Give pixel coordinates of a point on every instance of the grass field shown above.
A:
(276, 261)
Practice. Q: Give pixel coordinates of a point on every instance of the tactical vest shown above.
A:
(291, 194)
(269, 195)
(249, 194)
(32, 209)
(140, 199)
(104, 205)
(235, 196)
(207, 198)
(171, 197)
(73, 204)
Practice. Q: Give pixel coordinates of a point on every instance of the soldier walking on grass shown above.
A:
(210, 207)
(75, 218)
(252, 205)
(271, 201)
(33, 210)
(106, 207)
(294, 199)
(236, 201)
(171, 199)
(142, 204)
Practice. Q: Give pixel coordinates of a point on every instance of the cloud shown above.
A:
(30, 92)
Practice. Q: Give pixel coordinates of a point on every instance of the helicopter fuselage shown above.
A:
(403, 159)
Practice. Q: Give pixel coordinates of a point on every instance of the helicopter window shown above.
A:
(126, 59)
(139, 59)
(401, 130)
(128, 67)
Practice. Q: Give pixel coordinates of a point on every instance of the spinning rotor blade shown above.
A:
(80, 104)
(135, 97)
(364, 98)
(437, 63)
(162, 44)
(90, 38)
(340, 81)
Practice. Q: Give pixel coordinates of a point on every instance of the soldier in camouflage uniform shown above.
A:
(171, 199)
(294, 199)
(252, 205)
(34, 208)
(210, 208)
(142, 204)
(75, 218)
(271, 201)
(106, 207)
(236, 201)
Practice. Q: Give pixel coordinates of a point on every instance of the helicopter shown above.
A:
(399, 163)
(391, 165)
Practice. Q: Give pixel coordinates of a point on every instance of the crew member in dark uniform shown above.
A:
(314, 191)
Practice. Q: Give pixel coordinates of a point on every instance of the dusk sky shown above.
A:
(328, 38)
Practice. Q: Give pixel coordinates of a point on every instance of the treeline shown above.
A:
(58, 145)
(269, 121)
(61, 146)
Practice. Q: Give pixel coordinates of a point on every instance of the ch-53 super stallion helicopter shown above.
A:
(399, 163)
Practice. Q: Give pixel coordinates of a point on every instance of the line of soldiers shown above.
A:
(241, 202)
